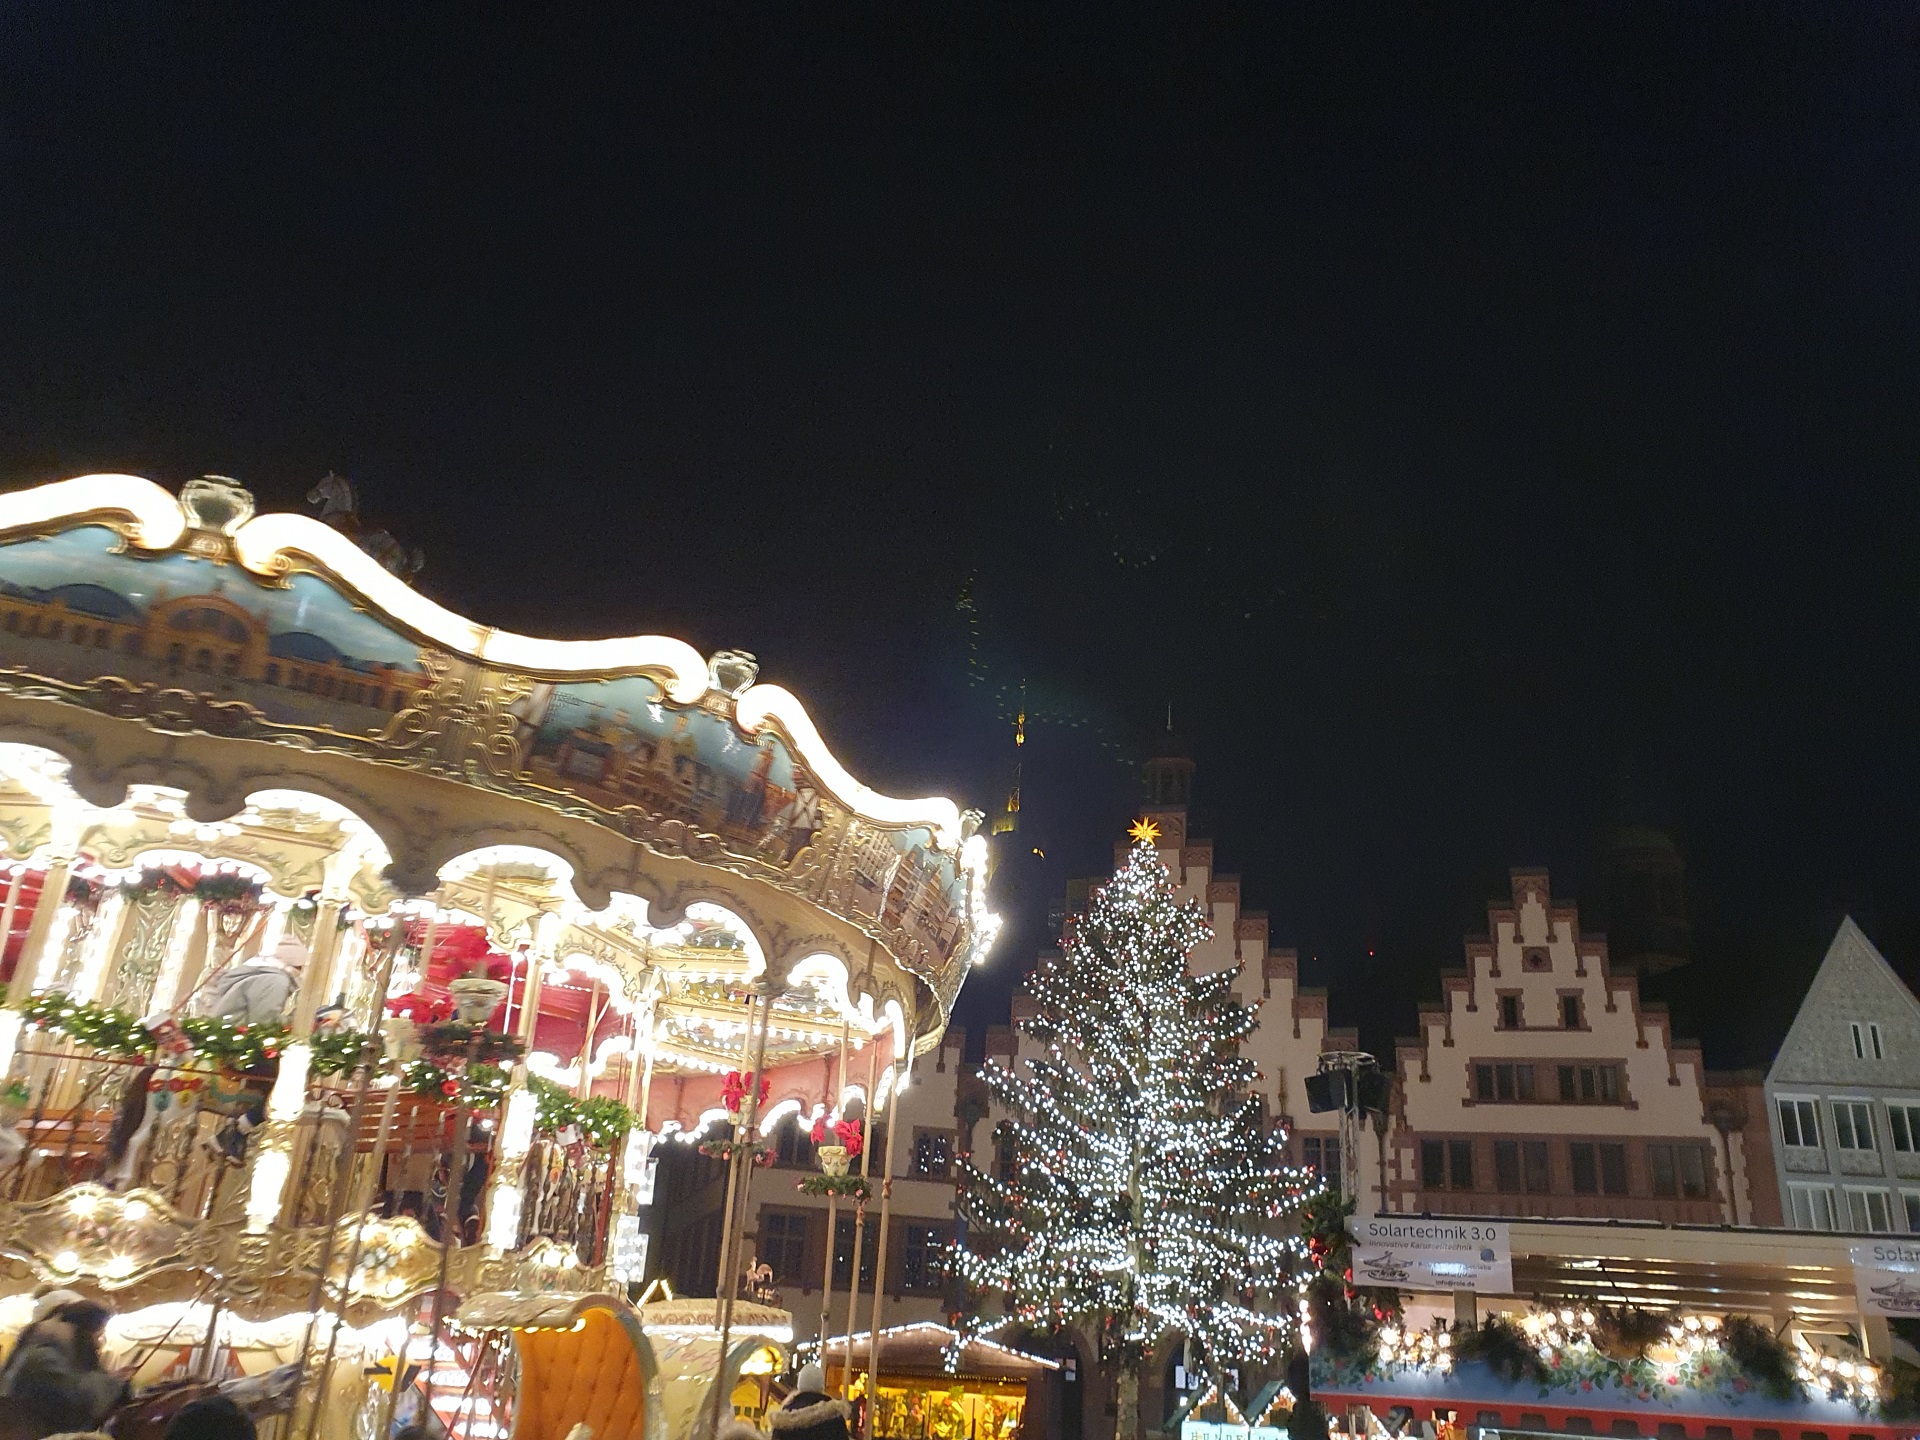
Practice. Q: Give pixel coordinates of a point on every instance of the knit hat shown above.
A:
(53, 1300)
(813, 1380)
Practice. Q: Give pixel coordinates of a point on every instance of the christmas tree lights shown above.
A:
(1146, 1198)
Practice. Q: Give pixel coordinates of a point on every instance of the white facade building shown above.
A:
(1843, 1097)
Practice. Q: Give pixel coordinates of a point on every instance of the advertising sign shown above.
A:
(1886, 1276)
(1410, 1253)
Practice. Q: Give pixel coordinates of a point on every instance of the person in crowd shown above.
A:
(810, 1413)
(213, 1417)
(54, 1382)
(256, 991)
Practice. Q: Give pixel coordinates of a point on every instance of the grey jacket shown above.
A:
(254, 992)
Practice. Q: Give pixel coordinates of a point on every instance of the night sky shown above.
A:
(1479, 427)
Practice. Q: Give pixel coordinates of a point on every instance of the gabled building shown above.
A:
(1542, 1085)
(1843, 1097)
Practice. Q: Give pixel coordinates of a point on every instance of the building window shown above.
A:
(1460, 1157)
(1597, 1168)
(1866, 1041)
(1904, 1122)
(1613, 1169)
(1533, 1156)
(1521, 1165)
(1570, 1012)
(783, 1245)
(1678, 1171)
(1504, 1081)
(1446, 1164)
(1853, 1124)
(932, 1154)
(1870, 1211)
(1810, 1207)
(1322, 1155)
(13, 621)
(1799, 1124)
(1509, 1012)
(273, 674)
(1006, 1159)
(923, 1257)
(1585, 1166)
(793, 1144)
(1589, 1084)
(1536, 959)
(1910, 1201)
(843, 1253)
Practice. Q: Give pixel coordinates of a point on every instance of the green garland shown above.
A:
(602, 1119)
(482, 1086)
(233, 1046)
(470, 1087)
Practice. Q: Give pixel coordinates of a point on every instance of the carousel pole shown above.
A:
(880, 1244)
(270, 1152)
(638, 1145)
(516, 1127)
(833, 1206)
(458, 1150)
(585, 1088)
(390, 1106)
(860, 1215)
(391, 946)
(742, 1154)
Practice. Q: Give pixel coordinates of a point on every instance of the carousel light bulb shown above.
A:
(66, 1262)
(119, 1267)
(136, 1210)
(83, 1204)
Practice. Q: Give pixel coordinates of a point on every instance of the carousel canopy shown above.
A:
(190, 690)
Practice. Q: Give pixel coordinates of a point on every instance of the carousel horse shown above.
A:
(340, 508)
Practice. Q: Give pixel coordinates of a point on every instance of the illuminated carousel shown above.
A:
(359, 960)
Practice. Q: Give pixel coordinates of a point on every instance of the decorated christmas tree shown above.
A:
(1146, 1200)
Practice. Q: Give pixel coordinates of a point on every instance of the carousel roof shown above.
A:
(658, 826)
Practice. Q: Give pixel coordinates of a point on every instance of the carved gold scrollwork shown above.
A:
(461, 718)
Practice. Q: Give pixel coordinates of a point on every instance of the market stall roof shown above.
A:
(921, 1349)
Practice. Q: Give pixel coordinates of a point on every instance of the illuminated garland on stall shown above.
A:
(1641, 1354)
(1145, 1189)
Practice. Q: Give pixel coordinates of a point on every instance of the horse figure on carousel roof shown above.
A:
(340, 508)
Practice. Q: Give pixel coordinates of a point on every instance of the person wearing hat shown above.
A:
(54, 1381)
(810, 1413)
(256, 991)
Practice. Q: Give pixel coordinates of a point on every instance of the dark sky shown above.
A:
(1470, 422)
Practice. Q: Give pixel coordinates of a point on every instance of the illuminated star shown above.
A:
(1144, 830)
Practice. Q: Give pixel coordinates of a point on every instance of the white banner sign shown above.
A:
(1886, 1277)
(1409, 1253)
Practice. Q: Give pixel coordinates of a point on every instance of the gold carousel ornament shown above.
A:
(362, 961)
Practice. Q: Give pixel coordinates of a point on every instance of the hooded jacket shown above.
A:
(54, 1382)
(810, 1415)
